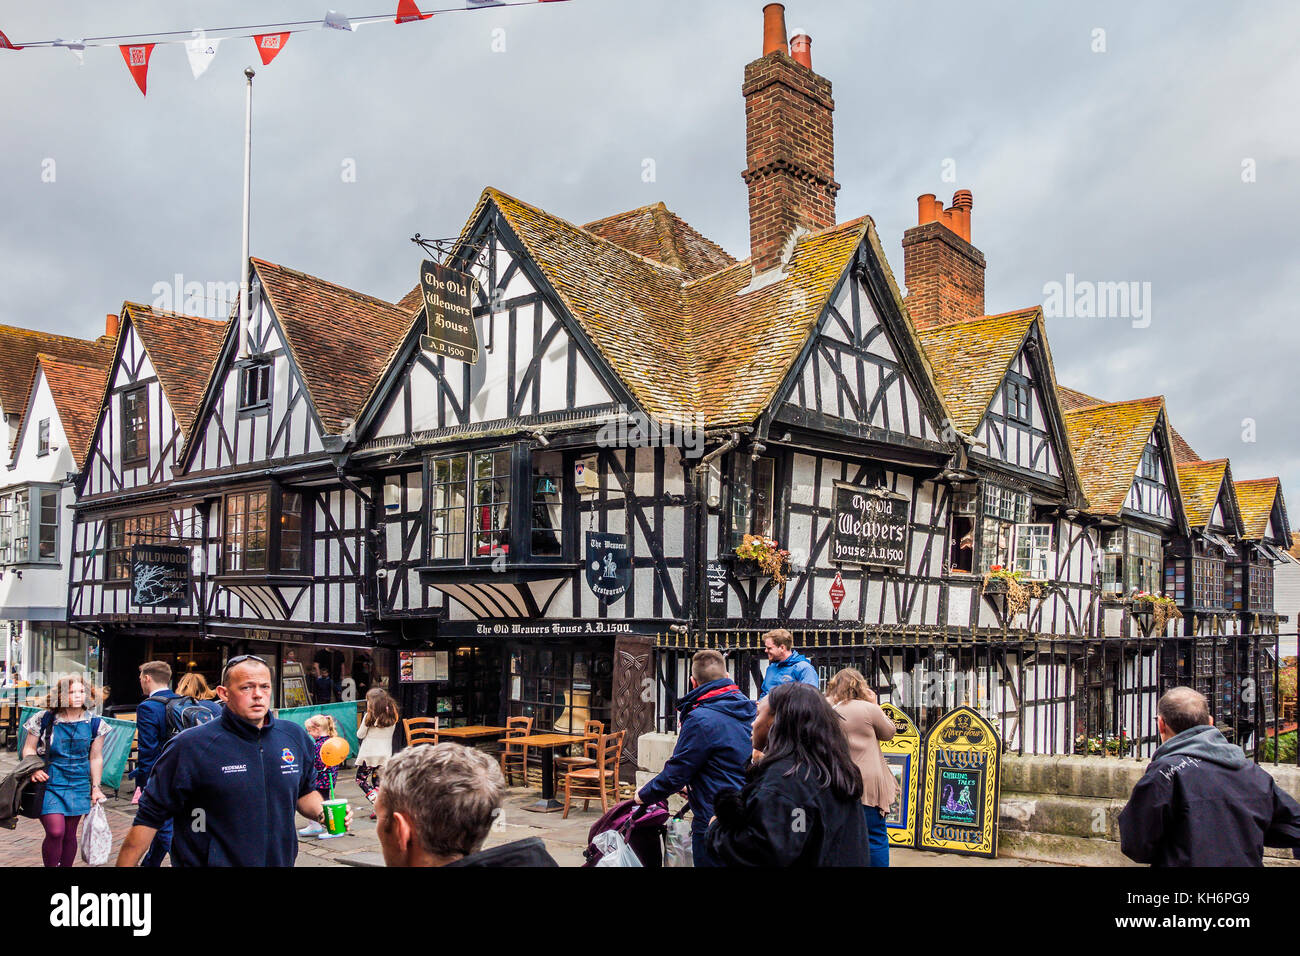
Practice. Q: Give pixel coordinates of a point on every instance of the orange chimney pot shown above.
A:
(801, 49)
(110, 325)
(774, 29)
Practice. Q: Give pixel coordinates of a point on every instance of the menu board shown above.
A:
(960, 800)
(423, 667)
(903, 757)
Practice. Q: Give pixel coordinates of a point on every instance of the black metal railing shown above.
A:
(1044, 694)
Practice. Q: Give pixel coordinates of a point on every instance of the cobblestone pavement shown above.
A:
(565, 839)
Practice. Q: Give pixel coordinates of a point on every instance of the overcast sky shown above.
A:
(1119, 164)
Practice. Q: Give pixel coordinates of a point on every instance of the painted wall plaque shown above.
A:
(962, 776)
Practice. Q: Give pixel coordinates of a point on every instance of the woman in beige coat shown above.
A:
(865, 725)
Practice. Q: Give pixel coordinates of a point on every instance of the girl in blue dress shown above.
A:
(73, 745)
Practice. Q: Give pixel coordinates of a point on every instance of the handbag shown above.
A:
(97, 837)
(33, 795)
(678, 846)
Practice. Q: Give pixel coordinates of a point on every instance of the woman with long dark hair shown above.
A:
(801, 805)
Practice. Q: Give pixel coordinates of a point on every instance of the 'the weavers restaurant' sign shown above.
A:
(870, 527)
(449, 312)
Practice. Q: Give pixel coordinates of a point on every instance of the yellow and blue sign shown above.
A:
(903, 757)
(959, 796)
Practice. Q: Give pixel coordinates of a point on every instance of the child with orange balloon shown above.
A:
(331, 751)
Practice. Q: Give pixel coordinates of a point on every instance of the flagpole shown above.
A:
(244, 332)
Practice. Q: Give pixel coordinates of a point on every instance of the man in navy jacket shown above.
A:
(151, 734)
(713, 746)
(231, 785)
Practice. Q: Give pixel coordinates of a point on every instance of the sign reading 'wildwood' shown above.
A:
(160, 576)
(870, 527)
(449, 312)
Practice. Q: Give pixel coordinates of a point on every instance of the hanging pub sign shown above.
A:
(959, 798)
(449, 311)
(609, 566)
(160, 576)
(870, 527)
(903, 757)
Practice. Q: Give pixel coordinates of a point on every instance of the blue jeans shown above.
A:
(877, 836)
(160, 847)
(699, 849)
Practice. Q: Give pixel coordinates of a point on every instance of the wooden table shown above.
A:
(475, 732)
(547, 743)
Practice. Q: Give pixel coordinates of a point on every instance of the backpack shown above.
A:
(643, 826)
(184, 713)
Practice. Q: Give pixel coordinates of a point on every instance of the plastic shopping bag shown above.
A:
(677, 844)
(614, 850)
(96, 838)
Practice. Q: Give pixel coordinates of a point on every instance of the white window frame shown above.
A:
(1036, 561)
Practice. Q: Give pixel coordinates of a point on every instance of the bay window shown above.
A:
(491, 497)
(1207, 582)
(1001, 510)
(29, 524)
(264, 530)
(1132, 561)
(1033, 554)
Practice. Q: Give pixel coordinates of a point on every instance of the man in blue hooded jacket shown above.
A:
(713, 746)
(783, 664)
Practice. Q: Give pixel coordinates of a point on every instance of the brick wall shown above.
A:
(944, 275)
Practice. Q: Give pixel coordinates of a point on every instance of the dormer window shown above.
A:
(255, 386)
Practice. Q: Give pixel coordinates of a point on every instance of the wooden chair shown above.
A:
(591, 734)
(420, 730)
(514, 757)
(598, 781)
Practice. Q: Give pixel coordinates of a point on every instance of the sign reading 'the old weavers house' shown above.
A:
(449, 312)
(870, 527)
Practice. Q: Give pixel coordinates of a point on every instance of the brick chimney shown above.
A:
(790, 143)
(943, 272)
(110, 326)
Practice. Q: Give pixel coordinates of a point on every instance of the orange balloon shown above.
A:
(334, 751)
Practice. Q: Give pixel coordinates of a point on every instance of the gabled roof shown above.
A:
(340, 339)
(182, 350)
(680, 345)
(1200, 484)
(1107, 442)
(657, 233)
(1256, 497)
(970, 357)
(77, 391)
(18, 350)
(1072, 398)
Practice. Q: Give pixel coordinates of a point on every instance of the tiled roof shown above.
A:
(658, 234)
(1199, 483)
(340, 338)
(182, 349)
(683, 346)
(412, 300)
(1255, 498)
(18, 350)
(1070, 398)
(1107, 441)
(77, 391)
(970, 357)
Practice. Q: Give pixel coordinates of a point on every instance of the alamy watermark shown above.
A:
(638, 430)
(210, 300)
(1085, 299)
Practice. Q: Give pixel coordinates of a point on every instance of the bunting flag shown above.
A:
(269, 46)
(406, 12)
(201, 45)
(137, 61)
(201, 52)
(336, 21)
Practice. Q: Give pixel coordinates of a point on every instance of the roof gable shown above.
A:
(1207, 487)
(340, 339)
(970, 359)
(77, 391)
(182, 350)
(1072, 398)
(1106, 442)
(657, 233)
(1260, 499)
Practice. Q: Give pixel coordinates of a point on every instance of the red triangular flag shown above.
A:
(5, 44)
(137, 61)
(408, 11)
(269, 45)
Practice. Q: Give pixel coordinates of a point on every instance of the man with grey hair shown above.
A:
(436, 805)
(1201, 802)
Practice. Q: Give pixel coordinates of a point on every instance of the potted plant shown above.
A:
(998, 579)
(759, 554)
(1161, 609)
(1001, 584)
(1118, 746)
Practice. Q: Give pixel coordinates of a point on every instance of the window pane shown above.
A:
(764, 470)
(291, 531)
(547, 503)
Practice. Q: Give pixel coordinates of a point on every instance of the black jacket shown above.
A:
(528, 852)
(1202, 803)
(232, 790)
(787, 820)
(12, 787)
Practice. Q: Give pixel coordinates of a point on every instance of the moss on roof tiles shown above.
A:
(970, 358)
(1255, 498)
(1199, 483)
(1107, 442)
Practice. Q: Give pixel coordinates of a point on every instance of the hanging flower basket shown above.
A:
(1162, 609)
(759, 555)
(1000, 581)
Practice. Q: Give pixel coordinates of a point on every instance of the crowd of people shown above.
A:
(795, 779)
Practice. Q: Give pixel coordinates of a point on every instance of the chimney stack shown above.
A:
(790, 143)
(110, 326)
(943, 272)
